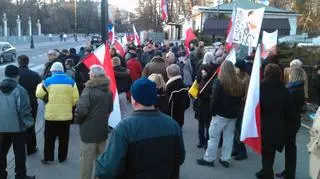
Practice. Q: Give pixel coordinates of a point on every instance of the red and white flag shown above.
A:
(232, 57)
(111, 36)
(251, 124)
(269, 42)
(136, 36)
(119, 48)
(164, 10)
(230, 29)
(189, 37)
(101, 56)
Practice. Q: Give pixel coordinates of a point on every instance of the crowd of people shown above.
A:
(155, 80)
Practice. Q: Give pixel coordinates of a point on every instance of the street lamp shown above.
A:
(75, 20)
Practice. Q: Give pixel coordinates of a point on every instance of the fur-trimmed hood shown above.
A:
(101, 83)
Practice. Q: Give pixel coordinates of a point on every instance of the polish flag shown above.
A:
(101, 56)
(119, 48)
(111, 36)
(189, 37)
(251, 126)
(230, 29)
(164, 10)
(232, 57)
(136, 36)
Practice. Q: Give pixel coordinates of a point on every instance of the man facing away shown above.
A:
(15, 111)
(29, 81)
(147, 144)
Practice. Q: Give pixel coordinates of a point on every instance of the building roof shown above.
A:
(245, 4)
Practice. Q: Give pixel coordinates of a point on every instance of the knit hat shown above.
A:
(144, 92)
(11, 71)
(241, 64)
(57, 67)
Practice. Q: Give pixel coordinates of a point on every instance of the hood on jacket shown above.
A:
(8, 85)
(157, 60)
(101, 83)
(295, 84)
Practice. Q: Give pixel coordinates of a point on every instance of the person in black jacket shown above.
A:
(163, 98)
(179, 100)
(123, 81)
(225, 108)
(296, 91)
(276, 111)
(147, 144)
(52, 57)
(29, 80)
(113, 53)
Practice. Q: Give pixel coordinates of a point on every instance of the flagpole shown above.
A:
(104, 16)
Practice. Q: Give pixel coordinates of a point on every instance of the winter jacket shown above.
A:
(146, 57)
(29, 80)
(15, 107)
(46, 72)
(62, 96)
(81, 76)
(179, 100)
(123, 79)
(296, 92)
(123, 61)
(158, 66)
(222, 103)
(93, 110)
(276, 112)
(147, 144)
(187, 70)
(135, 68)
(163, 102)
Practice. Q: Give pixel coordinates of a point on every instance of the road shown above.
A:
(189, 170)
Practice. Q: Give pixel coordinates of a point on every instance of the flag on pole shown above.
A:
(189, 37)
(119, 48)
(136, 36)
(164, 10)
(230, 29)
(269, 41)
(111, 35)
(232, 56)
(251, 124)
(101, 56)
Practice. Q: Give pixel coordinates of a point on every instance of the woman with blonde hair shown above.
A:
(163, 98)
(225, 108)
(295, 87)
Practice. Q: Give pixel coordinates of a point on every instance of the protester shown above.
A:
(148, 54)
(186, 66)
(123, 81)
(276, 111)
(64, 55)
(69, 68)
(60, 94)
(239, 149)
(52, 57)
(81, 52)
(113, 53)
(146, 144)
(157, 65)
(295, 87)
(92, 112)
(179, 100)
(163, 99)
(15, 119)
(170, 58)
(249, 64)
(225, 105)
(29, 80)
(73, 55)
(314, 148)
(134, 67)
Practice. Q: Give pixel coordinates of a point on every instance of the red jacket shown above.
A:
(135, 68)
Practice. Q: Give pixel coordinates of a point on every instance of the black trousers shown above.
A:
(291, 157)
(203, 129)
(18, 142)
(31, 139)
(54, 129)
(238, 147)
(268, 155)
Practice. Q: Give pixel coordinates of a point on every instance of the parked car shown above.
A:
(96, 40)
(7, 52)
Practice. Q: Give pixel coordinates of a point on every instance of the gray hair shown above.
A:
(296, 63)
(173, 70)
(208, 58)
(53, 53)
(97, 71)
(116, 61)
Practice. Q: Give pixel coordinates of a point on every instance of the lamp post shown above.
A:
(104, 16)
(75, 20)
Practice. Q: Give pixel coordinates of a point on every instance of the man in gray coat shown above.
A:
(92, 113)
(16, 117)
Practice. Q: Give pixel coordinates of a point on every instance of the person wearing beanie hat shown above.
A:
(60, 93)
(153, 138)
(15, 119)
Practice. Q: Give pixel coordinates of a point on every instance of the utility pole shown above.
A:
(104, 16)
(75, 21)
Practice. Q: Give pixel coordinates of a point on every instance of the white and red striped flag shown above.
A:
(189, 37)
(230, 29)
(101, 56)
(136, 36)
(164, 10)
(111, 36)
(251, 124)
(119, 48)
